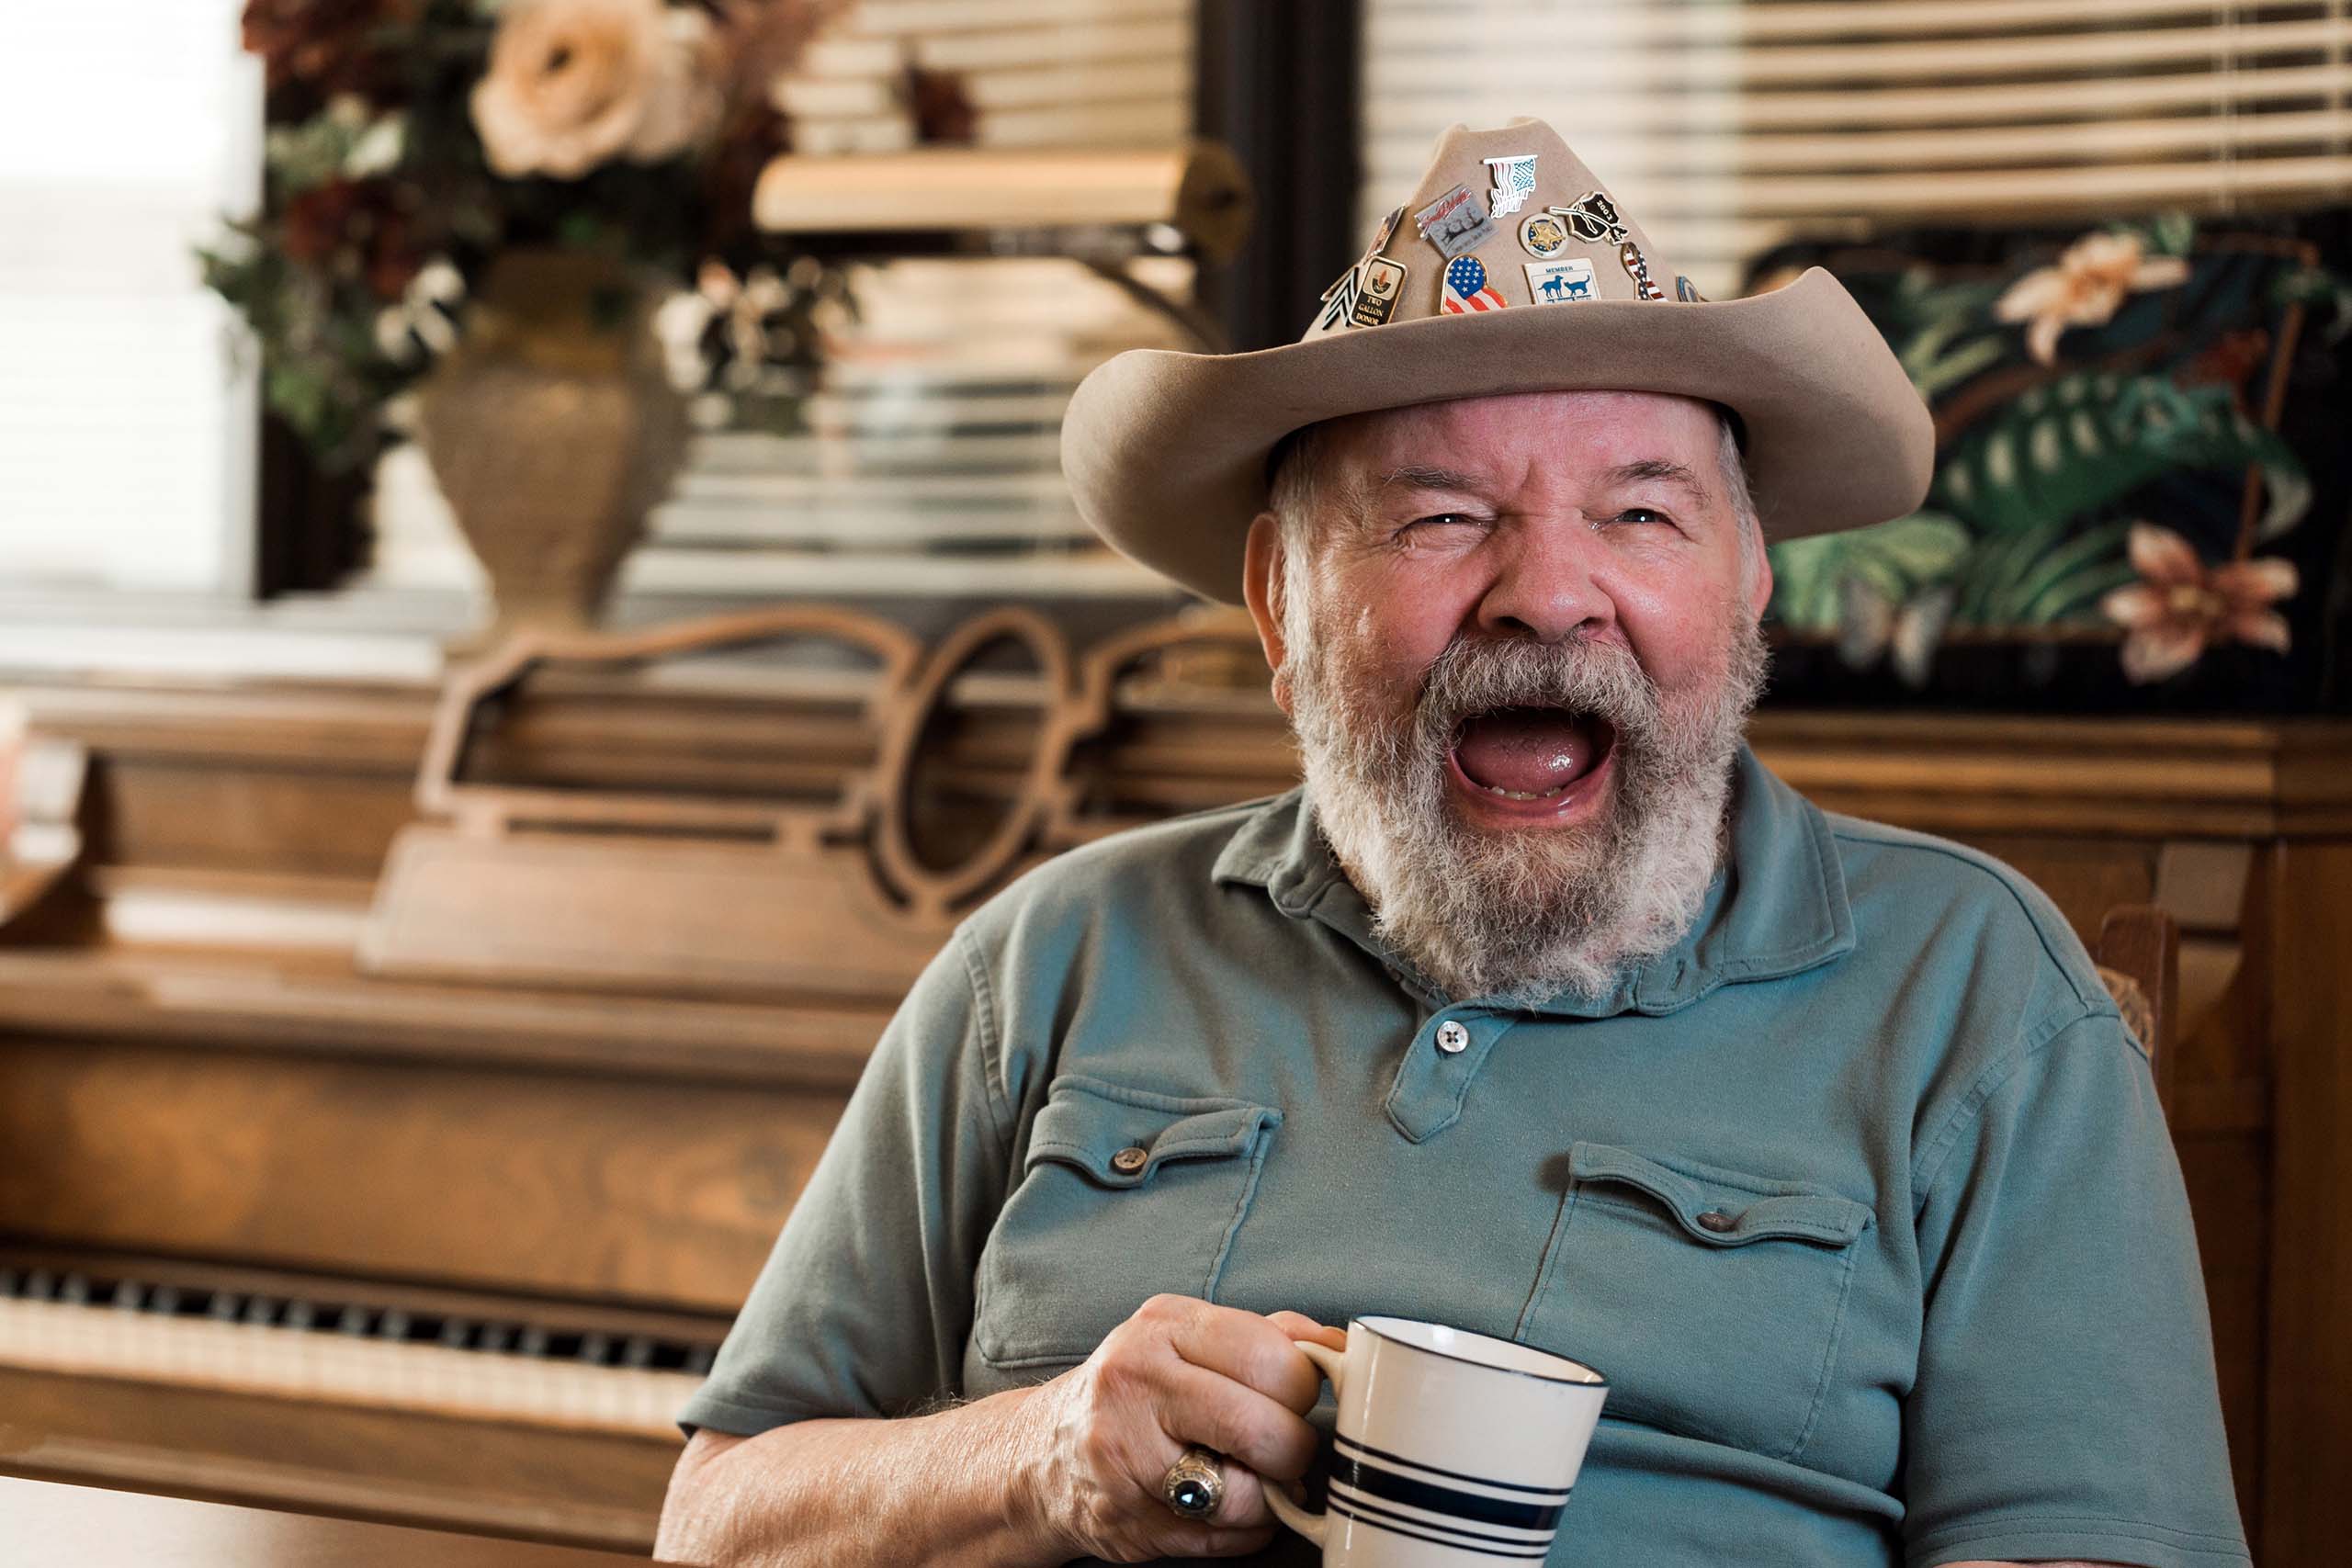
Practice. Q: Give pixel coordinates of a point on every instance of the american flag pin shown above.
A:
(1637, 267)
(1467, 288)
(1514, 182)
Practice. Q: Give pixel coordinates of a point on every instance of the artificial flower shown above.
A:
(329, 44)
(353, 228)
(423, 322)
(2180, 605)
(574, 83)
(2090, 280)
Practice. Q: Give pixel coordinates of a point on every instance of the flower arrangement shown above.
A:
(414, 142)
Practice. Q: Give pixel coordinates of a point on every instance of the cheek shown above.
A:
(1680, 638)
(1403, 613)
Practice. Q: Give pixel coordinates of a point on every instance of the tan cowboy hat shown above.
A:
(1510, 269)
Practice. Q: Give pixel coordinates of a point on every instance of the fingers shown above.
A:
(1201, 1407)
(1250, 1350)
(1178, 1371)
(1298, 1326)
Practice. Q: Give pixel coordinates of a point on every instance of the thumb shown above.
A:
(1298, 1326)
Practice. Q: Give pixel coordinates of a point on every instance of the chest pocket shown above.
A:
(1712, 1300)
(1123, 1194)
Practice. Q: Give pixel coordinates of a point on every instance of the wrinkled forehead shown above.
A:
(1561, 432)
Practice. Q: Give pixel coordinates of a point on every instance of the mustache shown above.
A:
(1473, 675)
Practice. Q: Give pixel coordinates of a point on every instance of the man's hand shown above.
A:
(1100, 1436)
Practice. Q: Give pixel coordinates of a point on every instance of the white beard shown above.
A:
(1521, 914)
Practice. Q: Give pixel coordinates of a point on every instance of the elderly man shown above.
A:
(1541, 1010)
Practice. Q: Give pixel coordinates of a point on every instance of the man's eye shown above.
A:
(1442, 520)
(1641, 514)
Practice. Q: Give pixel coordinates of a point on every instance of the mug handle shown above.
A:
(1314, 1527)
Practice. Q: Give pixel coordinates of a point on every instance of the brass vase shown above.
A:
(553, 430)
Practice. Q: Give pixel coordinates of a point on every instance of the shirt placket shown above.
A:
(1433, 1080)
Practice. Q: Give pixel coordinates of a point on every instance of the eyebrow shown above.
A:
(1658, 468)
(1420, 476)
(1427, 477)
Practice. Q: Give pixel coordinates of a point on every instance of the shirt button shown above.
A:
(1452, 1038)
(1129, 1160)
(1717, 1220)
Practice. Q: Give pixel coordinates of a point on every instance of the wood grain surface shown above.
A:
(49, 1524)
(640, 1192)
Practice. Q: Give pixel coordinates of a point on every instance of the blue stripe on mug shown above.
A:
(1348, 1443)
(1345, 1512)
(1380, 1482)
(1365, 1508)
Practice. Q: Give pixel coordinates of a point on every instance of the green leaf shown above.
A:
(1894, 559)
(2069, 448)
(2060, 581)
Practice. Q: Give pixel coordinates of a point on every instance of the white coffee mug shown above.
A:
(1455, 1448)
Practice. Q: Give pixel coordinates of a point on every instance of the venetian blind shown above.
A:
(125, 432)
(1729, 124)
(930, 461)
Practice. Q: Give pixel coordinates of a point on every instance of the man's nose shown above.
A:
(1543, 584)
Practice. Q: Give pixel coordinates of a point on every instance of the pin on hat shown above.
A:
(1166, 452)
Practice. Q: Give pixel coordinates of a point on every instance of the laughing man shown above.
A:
(1541, 1010)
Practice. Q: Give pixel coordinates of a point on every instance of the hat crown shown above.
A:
(1502, 217)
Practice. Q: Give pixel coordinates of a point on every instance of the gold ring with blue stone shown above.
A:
(1194, 1486)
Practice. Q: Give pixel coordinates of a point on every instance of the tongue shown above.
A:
(1531, 750)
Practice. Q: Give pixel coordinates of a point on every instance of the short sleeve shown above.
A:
(866, 1302)
(2065, 1406)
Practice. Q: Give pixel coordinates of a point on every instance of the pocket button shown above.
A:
(1452, 1038)
(1129, 1160)
(1717, 1220)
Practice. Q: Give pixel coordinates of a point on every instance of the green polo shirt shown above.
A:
(1955, 1314)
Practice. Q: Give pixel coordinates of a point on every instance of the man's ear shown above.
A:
(1759, 593)
(1261, 589)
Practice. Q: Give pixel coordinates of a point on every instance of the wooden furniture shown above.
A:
(496, 1146)
(2138, 952)
(49, 1524)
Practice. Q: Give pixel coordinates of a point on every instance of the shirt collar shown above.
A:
(1776, 907)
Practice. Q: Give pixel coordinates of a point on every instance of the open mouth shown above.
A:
(1532, 757)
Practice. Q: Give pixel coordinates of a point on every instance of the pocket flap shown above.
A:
(1098, 1127)
(1725, 1208)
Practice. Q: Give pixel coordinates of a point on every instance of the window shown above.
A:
(1727, 125)
(125, 433)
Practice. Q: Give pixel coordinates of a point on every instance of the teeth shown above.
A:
(1521, 793)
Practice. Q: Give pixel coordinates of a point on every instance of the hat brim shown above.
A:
(1165, 452)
